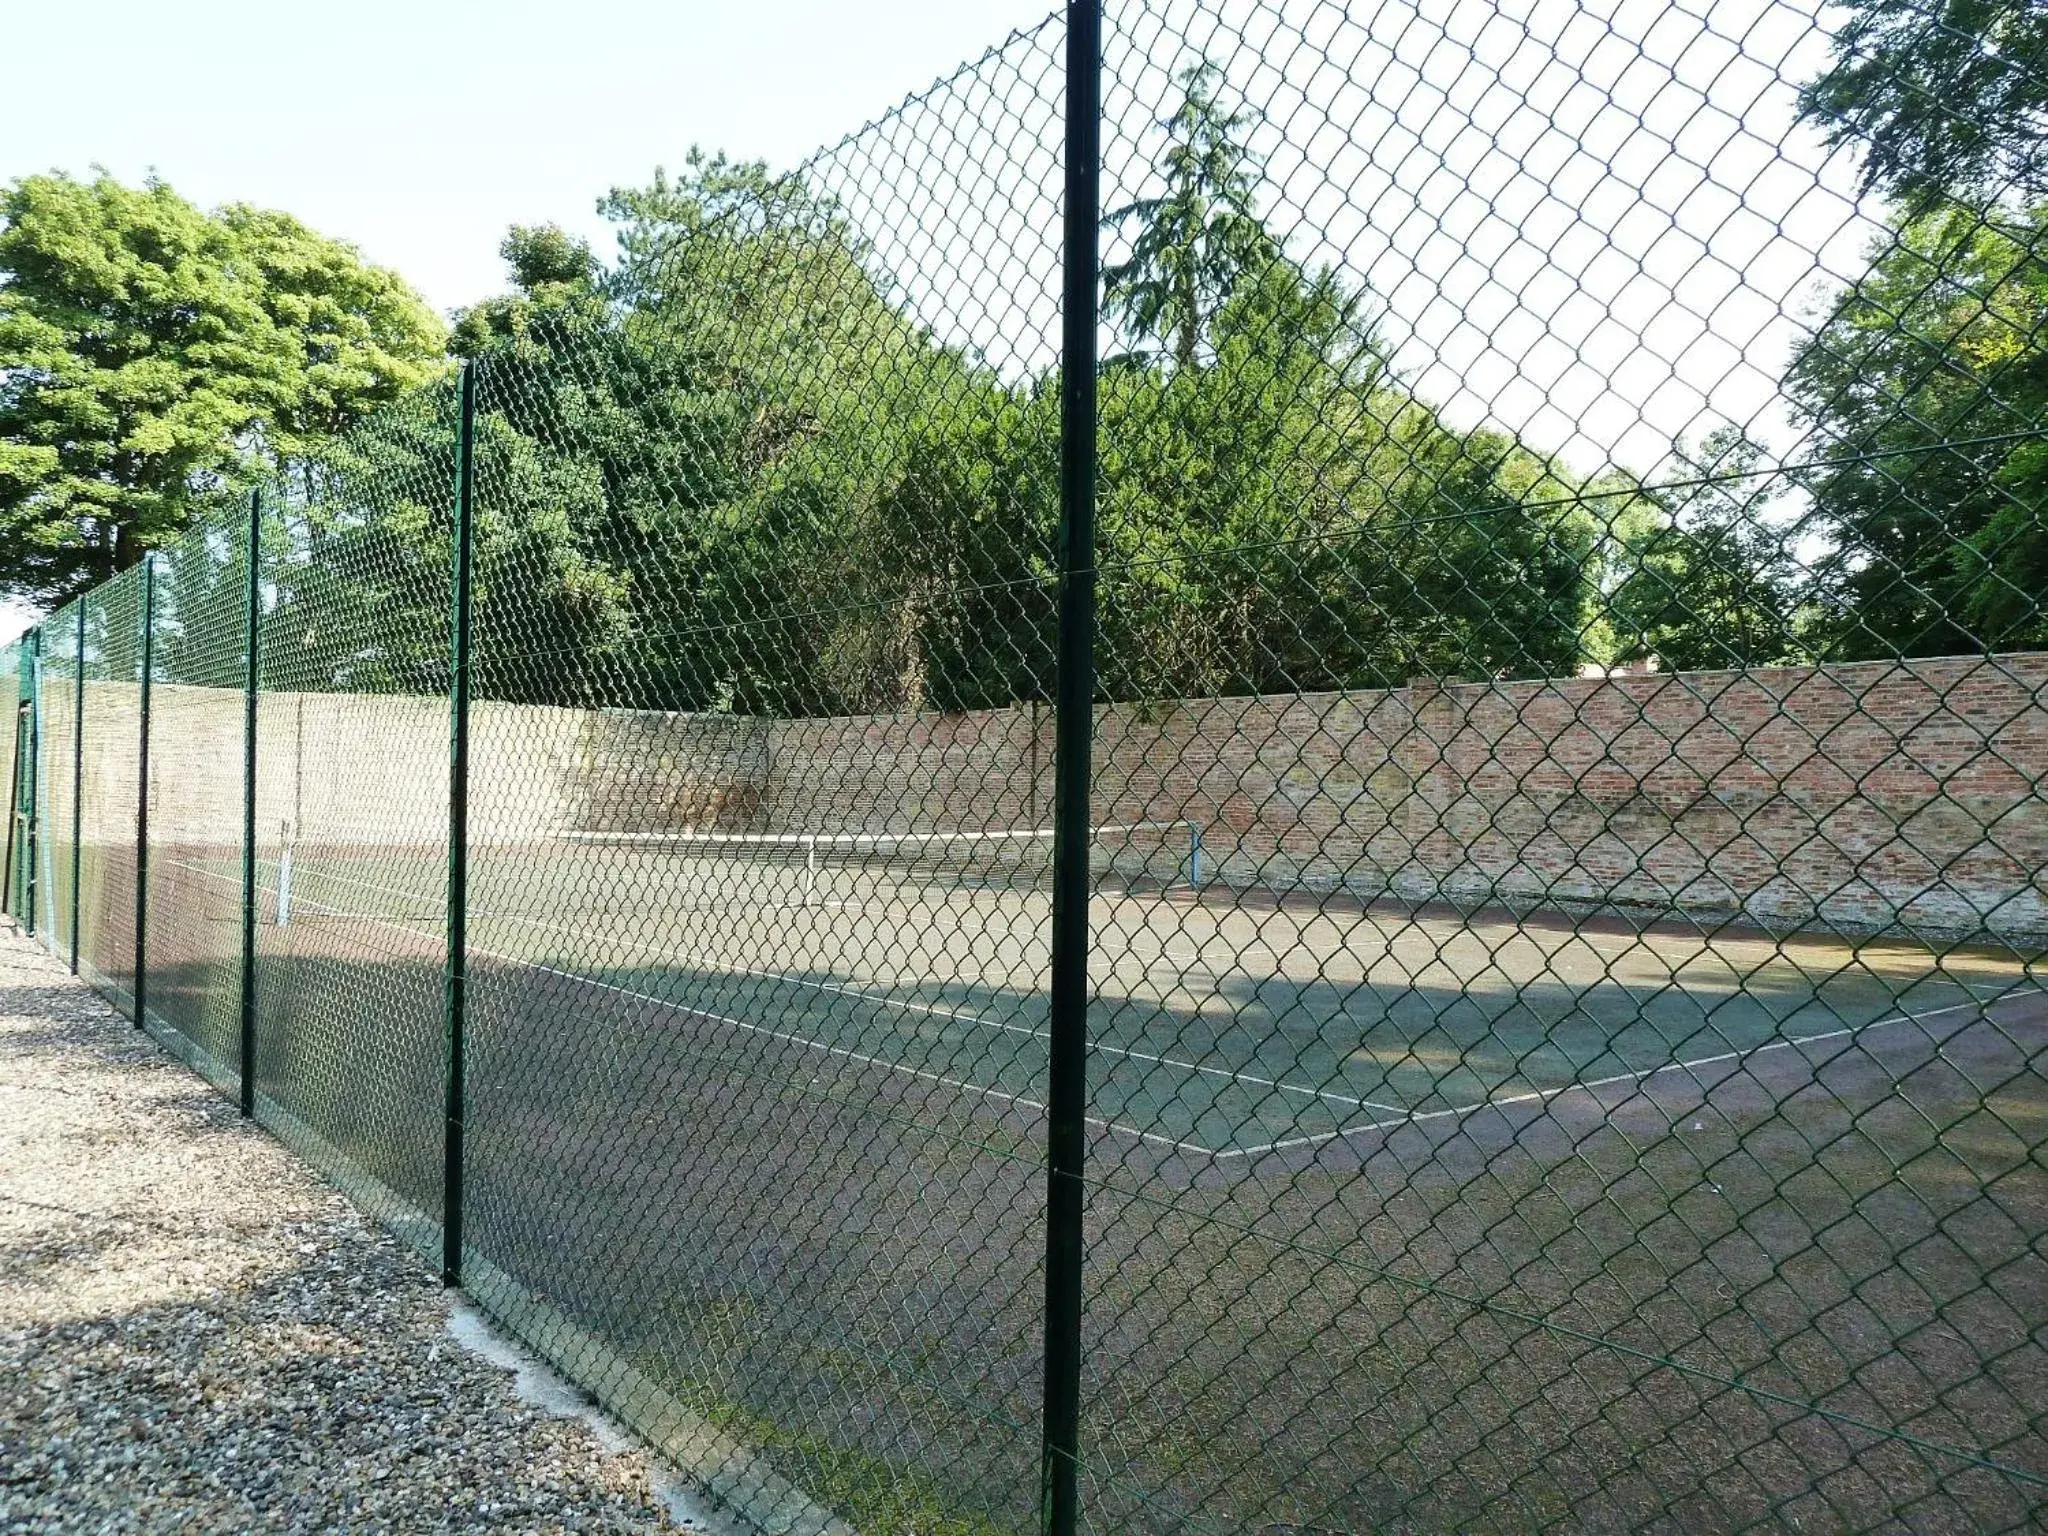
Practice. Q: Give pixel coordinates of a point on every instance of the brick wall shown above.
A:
(1859, 795)
(1862, 795)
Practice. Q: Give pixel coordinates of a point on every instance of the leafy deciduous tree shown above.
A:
(1946, 98)
(150, 351)
(1925, 387)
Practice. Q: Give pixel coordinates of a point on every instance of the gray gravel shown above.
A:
(196, 1334)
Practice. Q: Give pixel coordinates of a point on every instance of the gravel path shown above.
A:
(196, 1334)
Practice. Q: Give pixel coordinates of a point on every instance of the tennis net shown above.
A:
(1145, 854)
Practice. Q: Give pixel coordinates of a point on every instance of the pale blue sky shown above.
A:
(420, 129)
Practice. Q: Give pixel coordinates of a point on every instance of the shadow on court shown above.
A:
(778, 1189)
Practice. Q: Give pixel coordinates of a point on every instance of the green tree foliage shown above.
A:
(1926, 381)
(1706, 576)
(1278, 509)
(1289, 515)
(1199, 234)
(730, 471)
(150, 352)
(361, 569)
(1946, 98)
(1925, 388)
(732, 457)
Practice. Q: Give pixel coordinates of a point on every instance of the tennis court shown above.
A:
(1227, 1028)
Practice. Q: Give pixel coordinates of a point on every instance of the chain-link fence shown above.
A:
(1280, 772)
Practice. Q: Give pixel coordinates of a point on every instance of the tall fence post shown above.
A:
(457, 999)
(77, 773)
(251, 624)
(141, 993)
(1073, 721)
(29, 793)
(32, 781)
(10, 888)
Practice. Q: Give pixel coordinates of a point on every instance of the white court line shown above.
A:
(1413, 1118)
(979, 1089)
(1542, 1095)
(930, 1009)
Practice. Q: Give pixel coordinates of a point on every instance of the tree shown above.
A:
(555, 282)
(1289, 516)
(1947, 98)
(1707, 578)
(1198, 237)
(730, 472)
(1925, 388)
(151, 352)
(726, 473)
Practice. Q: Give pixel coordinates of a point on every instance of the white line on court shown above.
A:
(932, 1010)
(1289, 1144)
(1543, 1095)
(978, 1089)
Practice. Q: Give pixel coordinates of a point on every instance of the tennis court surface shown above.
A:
(1225, 1030)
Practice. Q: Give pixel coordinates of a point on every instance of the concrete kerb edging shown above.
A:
(738, 1478)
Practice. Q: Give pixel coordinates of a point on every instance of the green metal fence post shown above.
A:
(141, 992)
(77, 773)
(31, 780)
(458, 834)
(9, 885)
(249, 675)
(1074, 692)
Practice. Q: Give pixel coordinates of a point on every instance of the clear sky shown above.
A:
(420, 129)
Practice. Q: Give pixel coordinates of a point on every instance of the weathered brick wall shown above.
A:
(336, 768)
(1864, 794)
(1861, 795)
(984, 770)
(635, 771)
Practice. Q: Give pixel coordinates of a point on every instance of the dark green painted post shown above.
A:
(1074, 694)
(17, 707)
(7, 886)
(141, 993)
(251, 623)
(458, 834)
(77, 773)
(32, 780)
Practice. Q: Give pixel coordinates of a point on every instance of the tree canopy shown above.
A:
(150, 350)
(1946, 99)
(1925, 388)
(730, 471)
(1199, 233)
(731, 467)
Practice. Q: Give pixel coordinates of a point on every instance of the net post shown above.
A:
(141, 992)
(457, 988)
(1059, 1500)
(251, 616)
(77, 772)
(1194, 856)
(810, 867)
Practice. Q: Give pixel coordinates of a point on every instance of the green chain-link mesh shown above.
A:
(1566, 1045)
